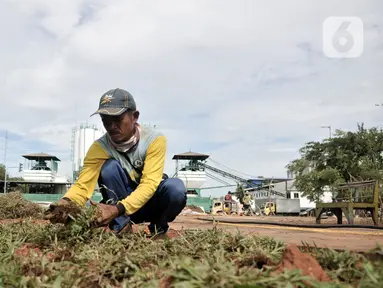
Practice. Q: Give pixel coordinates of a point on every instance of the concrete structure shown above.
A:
(83, 137)
(40, 167)
(290, 192)
(41, 173)
(193, 176)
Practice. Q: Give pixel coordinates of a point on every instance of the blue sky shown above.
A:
(243, 81)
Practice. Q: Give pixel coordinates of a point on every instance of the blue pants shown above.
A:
(165, 205)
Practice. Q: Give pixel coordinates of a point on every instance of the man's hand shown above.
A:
(60, 211)
(104, 214)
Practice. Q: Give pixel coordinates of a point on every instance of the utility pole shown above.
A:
(329, 129)
(5, 162)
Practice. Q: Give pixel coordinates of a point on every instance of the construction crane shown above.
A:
(247, 184)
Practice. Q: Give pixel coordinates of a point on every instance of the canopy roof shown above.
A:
(44, 156)
(190, 155)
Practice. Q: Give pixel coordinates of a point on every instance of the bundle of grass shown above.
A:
(75, 255)
(14, 206)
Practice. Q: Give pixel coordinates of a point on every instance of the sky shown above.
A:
(246, 82)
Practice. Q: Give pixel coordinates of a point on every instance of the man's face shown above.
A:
(120, 128)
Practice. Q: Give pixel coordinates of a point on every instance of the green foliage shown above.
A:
(76, 256)
(9, 178)
(349, 156)
(35, 253)
(45, 255)
(2, 172)
(240, 193)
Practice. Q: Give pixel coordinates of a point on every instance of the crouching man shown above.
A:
(128, 164)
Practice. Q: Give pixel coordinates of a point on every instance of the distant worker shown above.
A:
(247, 203)
(247, 199)
(228, 197)
(127, 162)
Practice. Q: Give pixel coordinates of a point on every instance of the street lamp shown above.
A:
(329, 129)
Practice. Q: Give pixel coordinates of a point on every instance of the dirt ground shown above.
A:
(356, 239)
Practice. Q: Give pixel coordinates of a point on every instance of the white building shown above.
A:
(292, 193)
(190, 172)
(289, 191)
(83, 137)
(42, 169)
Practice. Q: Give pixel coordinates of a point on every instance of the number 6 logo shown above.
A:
(342, 37)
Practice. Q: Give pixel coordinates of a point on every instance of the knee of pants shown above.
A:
(109, 168)
(176, 191)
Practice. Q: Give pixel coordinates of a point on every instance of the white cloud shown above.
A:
(243, 73)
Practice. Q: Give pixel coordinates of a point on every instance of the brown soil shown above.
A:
(255, 261)
(293, 258)
(298, 219)
(29, 257)
(27, 250)
(194, 208)
(62, 213)
(360, 240)
(166, 282)
(172, 233)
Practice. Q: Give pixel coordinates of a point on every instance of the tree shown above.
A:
(349, 156)
(2, 172)
(240, 193)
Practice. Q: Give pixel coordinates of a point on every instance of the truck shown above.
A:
(227, 207)
(282, 207)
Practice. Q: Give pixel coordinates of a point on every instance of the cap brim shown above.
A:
(110, 111)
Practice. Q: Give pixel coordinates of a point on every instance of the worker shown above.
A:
(228, 197)
(246, 201)
(247, 198)
(127, 163)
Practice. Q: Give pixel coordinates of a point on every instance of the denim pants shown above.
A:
(165, 205)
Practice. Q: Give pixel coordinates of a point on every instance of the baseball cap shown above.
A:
(115, 102)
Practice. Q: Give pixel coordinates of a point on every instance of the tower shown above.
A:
(190, 172)
(40, 167)
(83, 137)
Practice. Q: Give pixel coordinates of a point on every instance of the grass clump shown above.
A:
(77, 255)
(14, 206)
(349, 268)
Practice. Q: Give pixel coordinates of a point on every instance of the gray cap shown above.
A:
(115, 102)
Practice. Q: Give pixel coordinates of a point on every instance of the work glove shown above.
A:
(62, 211)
